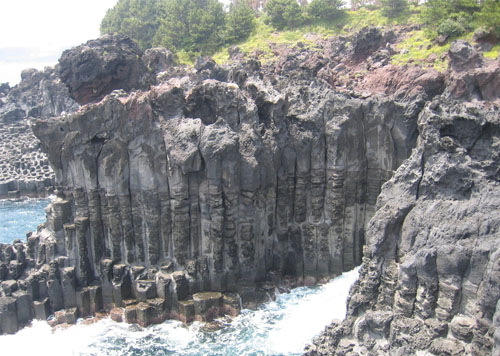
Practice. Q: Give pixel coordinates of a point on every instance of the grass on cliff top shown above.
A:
(494, 53)
(265, 37)
(419, 49)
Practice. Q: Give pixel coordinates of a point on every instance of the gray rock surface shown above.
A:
(24, 168)
(432, 249)
(99, 66)
(228, 178)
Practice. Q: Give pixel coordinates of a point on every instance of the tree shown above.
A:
(138, 19)
(191, 25)
(240, 21)
(434, 12)
(325, 9)
(393, 8)
(284, 13)
(490, 16)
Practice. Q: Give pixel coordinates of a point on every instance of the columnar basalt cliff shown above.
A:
(228, 179)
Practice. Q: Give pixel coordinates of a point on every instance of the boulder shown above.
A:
(98, 67)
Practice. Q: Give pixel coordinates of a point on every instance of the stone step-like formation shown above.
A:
(24, 168)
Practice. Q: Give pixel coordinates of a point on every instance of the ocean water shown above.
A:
(278, 328)
(17, 217)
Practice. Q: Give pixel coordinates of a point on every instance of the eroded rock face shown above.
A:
(97, 67)
(24, 168)
(225, 179)
(204, 175)
(471, 76)
(207, 182)
(432, 253)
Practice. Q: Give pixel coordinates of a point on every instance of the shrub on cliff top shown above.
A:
(325, 9)
(284, 14)
(490, 16)
(191, 25)
(393, 8)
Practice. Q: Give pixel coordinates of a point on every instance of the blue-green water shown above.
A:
(19, 217)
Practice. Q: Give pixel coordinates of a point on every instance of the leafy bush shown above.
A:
(450, 28)
(191, 25)
(325, 9)
(434, 12)
(284, 14)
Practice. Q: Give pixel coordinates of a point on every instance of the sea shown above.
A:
(17, 217)
(282, 327)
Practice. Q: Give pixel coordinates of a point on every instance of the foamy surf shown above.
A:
(279, 328)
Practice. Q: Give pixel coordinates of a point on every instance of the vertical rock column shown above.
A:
(153, 226)
(96, 227)
(115, 226)
(180, 215)
(85, 272)
(127, 227)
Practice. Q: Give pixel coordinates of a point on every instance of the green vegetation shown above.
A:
(240, 22)
(284, 14)
(191, 25)
(493, 53)
(204, 27)
(489, 16)
(419, 49)
(138, 19)
(393, 8)
(326, 10)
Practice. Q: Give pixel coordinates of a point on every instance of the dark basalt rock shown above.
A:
(432, 246)
(100, 66)
(24, 169)
(218, 182)
(463, 56)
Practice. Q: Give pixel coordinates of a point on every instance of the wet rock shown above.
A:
(145, 289)
(447, 347)
(207, 305)
(42, 309)
(186, 311)
(8, 315)
(117, 314)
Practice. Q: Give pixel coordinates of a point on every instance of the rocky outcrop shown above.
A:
(471, 76)
(24, 168)
(429, 279)
(216, 182)
(85, 73)
(99, 66)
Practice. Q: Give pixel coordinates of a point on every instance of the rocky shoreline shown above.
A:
(181, 190)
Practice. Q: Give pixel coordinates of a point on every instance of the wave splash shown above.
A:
(278, 328)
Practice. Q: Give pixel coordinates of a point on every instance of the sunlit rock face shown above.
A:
(225, 181)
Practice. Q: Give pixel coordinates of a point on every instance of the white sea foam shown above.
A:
(282, 327)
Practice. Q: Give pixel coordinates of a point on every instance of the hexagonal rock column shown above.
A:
(207, 305)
